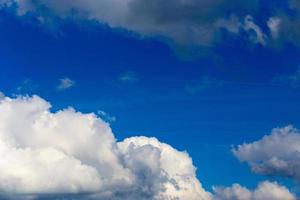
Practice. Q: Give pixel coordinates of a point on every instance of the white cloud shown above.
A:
(277, 154)
(264, 191)
(68, 152)
(65, 83)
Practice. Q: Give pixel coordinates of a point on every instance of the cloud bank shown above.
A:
(72, 155)
(187, 22)
(68, 152)
(264, 191)
(277, 154)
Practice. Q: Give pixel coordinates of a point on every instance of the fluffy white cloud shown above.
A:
(264, 191)
(277, 154)
(68, 152)
(162, 168)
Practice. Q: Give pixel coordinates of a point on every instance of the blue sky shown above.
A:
(202, 97)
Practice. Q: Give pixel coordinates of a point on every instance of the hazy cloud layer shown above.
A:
(70, 153)
(277, 154)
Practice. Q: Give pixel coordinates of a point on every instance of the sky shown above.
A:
(206, 90)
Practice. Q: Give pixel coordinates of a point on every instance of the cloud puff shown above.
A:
(70, 153)
(65, 83)
(277, 154)
(264, 191)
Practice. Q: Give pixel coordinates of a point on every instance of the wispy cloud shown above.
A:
(128, 77)
(27, 87)
(65, 83)
(105, 116)
(203, 84)
(292, 80)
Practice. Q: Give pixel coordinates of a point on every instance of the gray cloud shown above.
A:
(183, 21)
(277, 154)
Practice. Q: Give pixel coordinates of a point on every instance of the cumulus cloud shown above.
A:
(264, 191)
(277, 154)
(65, 83)
(70, 153)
